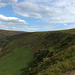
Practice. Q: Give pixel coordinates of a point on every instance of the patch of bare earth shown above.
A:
(69, 73)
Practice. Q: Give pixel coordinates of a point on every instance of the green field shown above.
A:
(12, 63)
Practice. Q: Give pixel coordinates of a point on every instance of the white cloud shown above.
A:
(48, 11)
(10, 28)
(10, 1)
(38, 28)
(31, 9)
(7, 28)
(11, 21)
(52, 11)
(70, 26)
(3, 26)
(65, 24)
(2, 4)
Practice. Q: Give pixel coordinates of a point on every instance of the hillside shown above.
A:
(5, 35)
(7, 32)
(38, 53)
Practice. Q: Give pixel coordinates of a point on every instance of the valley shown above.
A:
(37, 53)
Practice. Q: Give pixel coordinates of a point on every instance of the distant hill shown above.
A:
(38, 53)
(5, 35)
(7, 32)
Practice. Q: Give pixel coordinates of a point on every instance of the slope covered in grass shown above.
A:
(5, 35)
(39, 53)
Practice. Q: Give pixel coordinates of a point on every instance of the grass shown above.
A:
(12, 63)
(38, 53)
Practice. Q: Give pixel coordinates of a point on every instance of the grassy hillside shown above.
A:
(39, 53)
(5, 35)
(6, 32)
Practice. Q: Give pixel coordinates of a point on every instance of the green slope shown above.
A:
(13, 62)
(38, 53)
(5, 35)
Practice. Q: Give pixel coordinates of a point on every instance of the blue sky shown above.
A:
(37, 15)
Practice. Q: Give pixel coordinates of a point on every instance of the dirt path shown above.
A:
(69, 73)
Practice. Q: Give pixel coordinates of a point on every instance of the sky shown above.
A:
(37, 15)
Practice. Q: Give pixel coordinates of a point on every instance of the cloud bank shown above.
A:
(11, 21)
(50, 11)
(2, 4)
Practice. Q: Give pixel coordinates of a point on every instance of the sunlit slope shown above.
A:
(19, 51)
